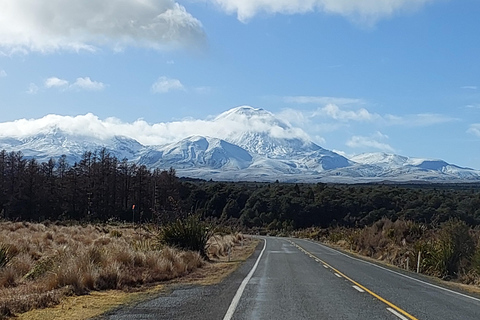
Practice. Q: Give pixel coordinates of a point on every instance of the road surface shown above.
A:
(300, 279)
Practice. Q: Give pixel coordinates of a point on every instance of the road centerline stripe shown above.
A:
(358, 289)
(239, 293)
(388, 303)
(397, 314)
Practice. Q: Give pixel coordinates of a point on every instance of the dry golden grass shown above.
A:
(49, 262)
(97, 303)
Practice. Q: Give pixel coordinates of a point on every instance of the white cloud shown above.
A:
(164, 85)
(367, 11)
(3, 74)
(144, 132)
(32, 25)
(80, 84)
(32, 88)
(55, 82)
(470, 87)
(371, 142)
(322, 100)
(334, 112)
(474, 129)
(87, 84)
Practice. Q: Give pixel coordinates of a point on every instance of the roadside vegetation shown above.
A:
(450, 251)
(40, 264)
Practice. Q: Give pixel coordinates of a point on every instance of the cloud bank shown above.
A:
(146, 133)
(365, 11)
(46, 26)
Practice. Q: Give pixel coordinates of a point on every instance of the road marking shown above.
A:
(238, 295)
(338, 275)
(326, 267)
(397, 273)
(358, 289)
(397, 314)
(388, 303)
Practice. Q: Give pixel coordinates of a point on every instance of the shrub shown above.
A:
(453, 245)
(189, 233)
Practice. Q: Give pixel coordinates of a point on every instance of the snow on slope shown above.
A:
(53, 142)
(198, 152)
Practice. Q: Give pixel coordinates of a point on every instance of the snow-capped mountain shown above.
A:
(260, 132)
(52, 142)
(248, 144)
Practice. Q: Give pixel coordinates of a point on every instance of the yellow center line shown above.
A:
(405, 313)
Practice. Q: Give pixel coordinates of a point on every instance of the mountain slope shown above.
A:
(198, 152)
(249, 144)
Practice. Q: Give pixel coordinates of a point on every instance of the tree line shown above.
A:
(101, 187)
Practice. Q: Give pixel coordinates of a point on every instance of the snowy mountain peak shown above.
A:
(253, 119)
(261, 132)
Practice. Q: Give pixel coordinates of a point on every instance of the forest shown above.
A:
(101, 188)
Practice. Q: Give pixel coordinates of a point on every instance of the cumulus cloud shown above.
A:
(3, 74)
(55, 82)
(31, 25)
(87, 84)
(374, 141)
(80, 84)
(164, 85)
(474, 129)
(367, 11)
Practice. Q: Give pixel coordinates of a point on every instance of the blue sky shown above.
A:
(399, 76)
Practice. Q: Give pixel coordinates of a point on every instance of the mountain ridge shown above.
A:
(250, 144)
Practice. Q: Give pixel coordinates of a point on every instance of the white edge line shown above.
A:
(397, 314)
(238, 295)
(395, 272)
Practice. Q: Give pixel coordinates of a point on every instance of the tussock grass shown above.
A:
(220, 245)
(41, 264)
(449, 251)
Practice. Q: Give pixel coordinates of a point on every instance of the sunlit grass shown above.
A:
(42, 264)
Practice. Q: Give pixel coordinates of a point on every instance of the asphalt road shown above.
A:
(299, 279)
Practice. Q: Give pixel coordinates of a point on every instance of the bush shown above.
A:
(453, 246)
(189, 233)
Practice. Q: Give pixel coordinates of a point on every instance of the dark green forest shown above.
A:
(101, 188)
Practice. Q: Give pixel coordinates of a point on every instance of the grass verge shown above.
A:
(63, 302)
